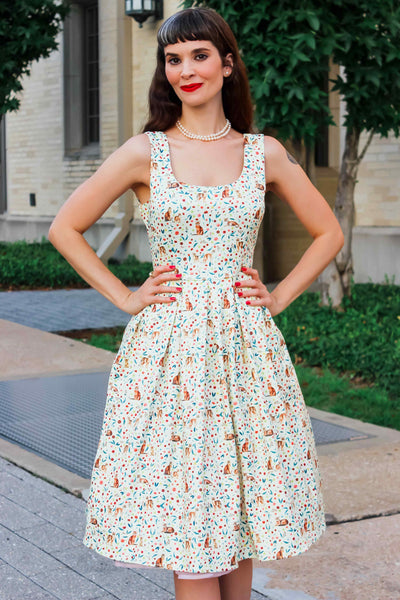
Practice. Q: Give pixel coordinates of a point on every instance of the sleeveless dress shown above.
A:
(206, 454)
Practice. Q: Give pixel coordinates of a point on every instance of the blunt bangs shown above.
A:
(189, 25)
(185, 26)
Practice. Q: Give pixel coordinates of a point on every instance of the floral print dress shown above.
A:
(206, 455)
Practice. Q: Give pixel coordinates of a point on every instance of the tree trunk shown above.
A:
(310, 164)
(335, 280)
(305, 157)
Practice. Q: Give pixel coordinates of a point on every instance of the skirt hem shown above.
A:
(305, 545)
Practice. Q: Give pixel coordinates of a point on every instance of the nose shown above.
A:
(187, 69)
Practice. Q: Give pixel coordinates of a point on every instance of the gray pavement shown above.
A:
(61, 310)
(42, 503)
(42, 554)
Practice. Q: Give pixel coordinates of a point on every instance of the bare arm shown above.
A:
(125, 167)
(289, 182)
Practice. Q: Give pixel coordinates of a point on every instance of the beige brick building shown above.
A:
(86, 99)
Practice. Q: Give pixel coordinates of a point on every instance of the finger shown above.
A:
(162, 299)
(169, 276)
(259, 301)
(164, 289)
(255, 300)
(252, 272)
(246, 283)
(249, 293)
(160, 269)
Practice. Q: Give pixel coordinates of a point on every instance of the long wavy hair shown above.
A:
(199, 23)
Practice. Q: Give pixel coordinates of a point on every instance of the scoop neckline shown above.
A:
(207, 187)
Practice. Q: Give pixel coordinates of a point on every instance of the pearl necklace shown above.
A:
(205, 138)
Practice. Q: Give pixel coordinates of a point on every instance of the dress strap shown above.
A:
(257, 156)
(159, 160)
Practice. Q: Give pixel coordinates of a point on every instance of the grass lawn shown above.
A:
(340, 394)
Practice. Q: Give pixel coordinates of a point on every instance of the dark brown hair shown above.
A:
(199, 24)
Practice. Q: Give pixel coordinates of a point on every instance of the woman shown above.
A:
(206, 458)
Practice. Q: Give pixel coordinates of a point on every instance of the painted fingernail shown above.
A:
(240, 293)
(237, 283)
(247, 301)
(244, 268)
(172, 298)
(178, 275)
(179, 289)
(171, 266)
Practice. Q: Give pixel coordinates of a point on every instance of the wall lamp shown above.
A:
(140, 10)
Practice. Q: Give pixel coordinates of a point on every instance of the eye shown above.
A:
(202, 56)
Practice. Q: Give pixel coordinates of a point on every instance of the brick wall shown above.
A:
(34, 137)
(377, 194)
(34, 134)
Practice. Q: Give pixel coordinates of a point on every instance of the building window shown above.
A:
(91, 37)
(3, 170)
(81, 80)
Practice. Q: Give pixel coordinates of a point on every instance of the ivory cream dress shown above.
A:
(206, 455)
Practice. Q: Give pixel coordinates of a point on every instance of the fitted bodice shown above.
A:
(207, 455)
(205, 231)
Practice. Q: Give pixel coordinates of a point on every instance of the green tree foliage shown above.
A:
(286, 51)
(28, 29)
(286, 46)
(367, 46)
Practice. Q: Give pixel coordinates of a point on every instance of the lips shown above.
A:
(191, 88)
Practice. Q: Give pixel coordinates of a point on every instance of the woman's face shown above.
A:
(195, 70)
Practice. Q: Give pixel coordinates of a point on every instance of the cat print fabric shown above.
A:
(206, 454)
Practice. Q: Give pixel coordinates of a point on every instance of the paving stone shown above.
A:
(50, 538)
(66, 584)
(15, 586)
(28, 507)
(101, 572)
(36, 493)
(23, 555)
(61, 310)
(33, 481)
(256, 596)
(117, 580)
(358, 560)
(17, 517)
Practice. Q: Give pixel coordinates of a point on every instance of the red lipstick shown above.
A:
(191, 88)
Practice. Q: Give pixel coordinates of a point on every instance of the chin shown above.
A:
(199, 101)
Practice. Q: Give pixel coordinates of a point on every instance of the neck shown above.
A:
(203, 120)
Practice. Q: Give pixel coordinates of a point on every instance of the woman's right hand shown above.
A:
(136, 301)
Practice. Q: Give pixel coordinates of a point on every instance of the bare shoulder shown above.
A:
(139, 147)
(136, 154)
(277, 159)
(273, 148)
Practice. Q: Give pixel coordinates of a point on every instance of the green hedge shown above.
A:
(33, 265)
(362, 340)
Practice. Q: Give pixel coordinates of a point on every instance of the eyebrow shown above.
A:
(193, 51)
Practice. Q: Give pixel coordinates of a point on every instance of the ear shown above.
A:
(228, 64)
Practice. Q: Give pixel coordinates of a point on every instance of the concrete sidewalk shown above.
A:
(61, 310)
(42, 509)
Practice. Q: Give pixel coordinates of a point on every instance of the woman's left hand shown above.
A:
(248, 288)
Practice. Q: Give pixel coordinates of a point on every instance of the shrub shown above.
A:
(33, 265)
